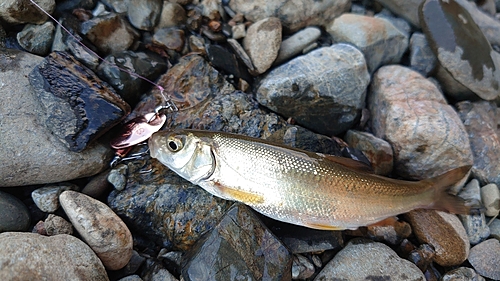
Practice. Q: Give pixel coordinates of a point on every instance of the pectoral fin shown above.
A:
(241, 196)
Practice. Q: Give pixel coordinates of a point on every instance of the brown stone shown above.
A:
(262, 43)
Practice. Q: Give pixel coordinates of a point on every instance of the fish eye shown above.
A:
(174, 144)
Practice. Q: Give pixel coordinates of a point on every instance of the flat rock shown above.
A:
(444, 232)
(307, 89)
(462, 274)
(262, 43)
(29, 153)
(37, 39)
(376, 38)
(100, 227)
(377, 150)
(28, 256)
(14, 215)
(16, 12)
(240, 247)
(426, 134)
(363, 259)
(485, 257)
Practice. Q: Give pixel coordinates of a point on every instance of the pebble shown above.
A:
(495, 228)
(296, 43)
(37, 39)
(98, 187)
(462, 274)
(100, 227)
(118, 177)
(117, 5)
(377, 150)
(144, 15)
(399, 23)
(170, 38)
(444, 232)
(262, 43)
(55, 225)
(376, 38)
(467, 60)
(407, 9)
(29, 154)
(474, 223)
(426, 134)
(29, 256)
(422, 257)
(289, 91)
(240, 247)
(15, 12)
(490, 196)
(392, 233)
(239, 31)
(47, 198)
(293, 15)
(485, 257)
(155, 271)
(422, 59)
(14, 215)
(363, 259)
(131, 278)
(302, 267)
(172, 14)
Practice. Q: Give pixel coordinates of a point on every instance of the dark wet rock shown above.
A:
(29, 153)
(155, 271)
(306, 89)
(296, 43)
(240, 52)
(227, 62)
(485, 258)
(171, 38)
(47, 198)
(376, 38)
(422, 257)
(426, 134)
(172, 14)
(37, 39)
(238, 31)
(78, 106)
(474, 223)
(67, 6)
(118, 6)
(296, 136)
(14, 215)
(262, 43)
(293, 15)
(98, 187)
(239, 247)
(462, 274)
(363, 259)
(490, 26)
(480, 122)
(16, 12)
(407, 9)
(28, 256)
(422, 59)
(131, 87)
(302, 267)
(461, 49)
(109, 33)
(490, 196)
(55, 225)
(378, 151)
(444, 232)
(144, 14)
(3, 36)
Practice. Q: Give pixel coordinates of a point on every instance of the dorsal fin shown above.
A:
(349, 163)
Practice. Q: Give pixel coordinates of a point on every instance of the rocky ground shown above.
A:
(414, 87)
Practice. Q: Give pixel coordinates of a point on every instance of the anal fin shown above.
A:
(323, 226)
(240, 195)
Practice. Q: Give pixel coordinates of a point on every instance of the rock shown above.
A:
(376, 38)
(28, 256)
(302, 267)
(98, 187)
(490, 196)
(392, 233)
(488, 25)
(118, 6)
(29, 154)
(144, 14)
(485, 257)
(306, 89)
(170, 38)
(422, 59)
(296, 43)
(155, 271)
(16, 12)
(110, 33)
(495, 228)
(55, 225)
(462, 274)
(212, 9)
(240, 52)
(378, 151)
(406, 9)
(101, 229)
(363, 259)
(238, 31)
(293, 15)
(79, 107)
(444, 232)
(37, 39)
(118, 177)
(14, 215)
(461, 49)
(480, 123)
(133, 266)
(172, 14)
(422, 257)
(131, 278)
(474, 223)
(240, 247)
(399, 23)
(226, 61)
(47, 198)
(410, 113)
(262, 43)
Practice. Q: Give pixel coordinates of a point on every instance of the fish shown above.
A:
(296, 186)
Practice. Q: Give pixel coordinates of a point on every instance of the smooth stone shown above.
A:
(171, 38)
(422, 59)
(398, 23)
(240, 247)
(37, 39)
(134, 277)
(100, 227)
(98, 187)
(14, 215)
(55, 225)
(118, 176)
(47, 198)
(296, 43)
(239, 31)
(144, 14)
(376, 38)
(302, 267)
(29, 256)
(426, 134)
(481, 125)
(461, 49)
(363, 259)
(155, 271)
(29, 153)
(262, 43)
(377, 150)
(17, 12)
(495, 228)
(490, 196)
(462, 274)
(407, 9)
(474, 223)
(485, 257)
(444, 232)
(490, 26)
(324, 107)
(172, 14)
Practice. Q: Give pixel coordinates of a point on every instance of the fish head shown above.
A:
(184, 153)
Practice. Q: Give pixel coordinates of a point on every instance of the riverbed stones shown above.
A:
(100, 227)
(28, 256)
(462, 274)
(262, 43)
(144, 15)
(16, 12)
(475, 222)
(37, 39)
(422, 59)
(426, 134)
(14, 215)
(485, 258)
(296, 43)
(490, 196)
(47, 198)
(377, 150)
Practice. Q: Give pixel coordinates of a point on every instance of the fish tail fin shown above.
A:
(442, 199)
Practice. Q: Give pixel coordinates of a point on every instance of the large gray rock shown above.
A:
(485, 258)
(29, 153)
